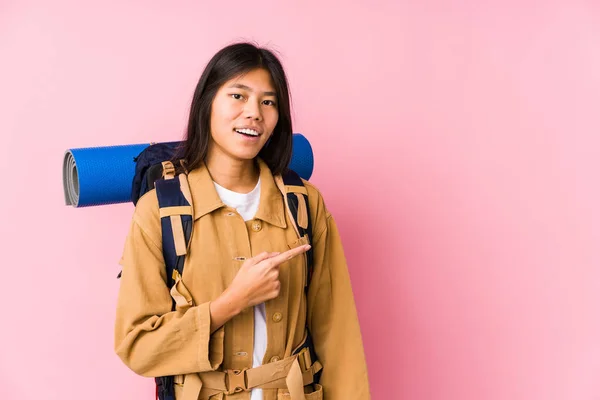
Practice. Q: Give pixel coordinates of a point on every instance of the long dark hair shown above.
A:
(229, 62)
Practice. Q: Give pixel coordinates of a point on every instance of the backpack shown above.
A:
(152, 172)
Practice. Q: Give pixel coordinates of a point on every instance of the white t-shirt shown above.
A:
(246, 205)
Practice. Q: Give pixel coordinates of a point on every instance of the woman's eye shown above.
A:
(237, 96)
(269, 102)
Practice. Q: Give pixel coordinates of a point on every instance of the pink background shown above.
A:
(456, 143)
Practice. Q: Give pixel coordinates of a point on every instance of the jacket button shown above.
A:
(256, 226)
(277, 317)
(275, 359)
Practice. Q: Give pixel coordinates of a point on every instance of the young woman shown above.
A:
(248, 306)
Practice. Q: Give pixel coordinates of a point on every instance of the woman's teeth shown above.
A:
(247, 132)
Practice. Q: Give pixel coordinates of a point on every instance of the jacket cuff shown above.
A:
(210, 349)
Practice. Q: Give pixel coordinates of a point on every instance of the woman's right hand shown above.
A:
(258, 279)
(256, 282)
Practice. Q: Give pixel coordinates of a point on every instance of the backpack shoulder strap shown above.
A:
(176, 215)
(176, 218)
(296, 197)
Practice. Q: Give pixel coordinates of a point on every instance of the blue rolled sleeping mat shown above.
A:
(96, 176)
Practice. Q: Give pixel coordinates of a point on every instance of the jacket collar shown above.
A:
(205, 198)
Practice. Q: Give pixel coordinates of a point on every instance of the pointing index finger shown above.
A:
(288, 255)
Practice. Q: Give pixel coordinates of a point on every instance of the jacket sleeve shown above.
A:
(332, 316)
(150, 338)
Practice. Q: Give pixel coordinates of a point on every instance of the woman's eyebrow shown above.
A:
(240, 86)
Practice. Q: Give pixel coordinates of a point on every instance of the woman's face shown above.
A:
(243, 116)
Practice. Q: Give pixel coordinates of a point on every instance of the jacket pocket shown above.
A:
(299, 242)
(309, 393)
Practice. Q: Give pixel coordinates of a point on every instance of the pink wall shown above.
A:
(471, 217)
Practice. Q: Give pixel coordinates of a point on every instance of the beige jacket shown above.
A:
(153, 340)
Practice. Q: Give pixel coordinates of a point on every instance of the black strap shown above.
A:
(291, 178)
(169, 194)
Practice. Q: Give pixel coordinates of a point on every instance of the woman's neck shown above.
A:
(239, 176)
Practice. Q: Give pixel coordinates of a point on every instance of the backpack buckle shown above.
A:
(168, 170)
(236, 381)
